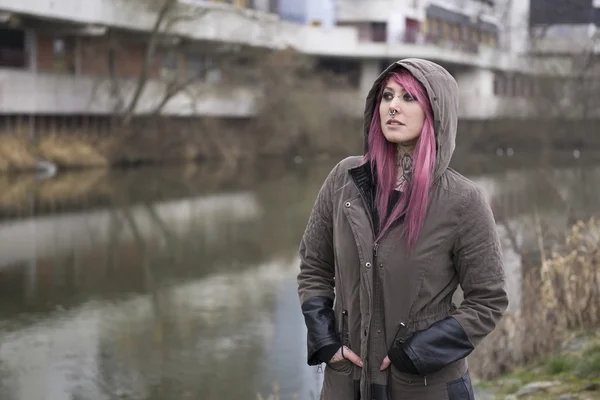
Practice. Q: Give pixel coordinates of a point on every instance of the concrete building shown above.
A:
(58, 58)
(559, 12)
(458, 24)
(562, 26)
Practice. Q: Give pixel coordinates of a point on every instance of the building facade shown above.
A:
(459, 24)
(59, 58)
(564, 12)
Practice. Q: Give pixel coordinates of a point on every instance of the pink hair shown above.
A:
(382, 156)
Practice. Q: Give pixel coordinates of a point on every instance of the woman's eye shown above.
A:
(388, 96)
(408, 97)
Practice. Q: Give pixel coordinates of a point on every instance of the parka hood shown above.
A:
(442, 90)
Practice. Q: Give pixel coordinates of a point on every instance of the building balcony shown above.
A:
(349, 11)
(224, 24)
(470, 8)
(363, 11)
(25, 92)
(200, 20)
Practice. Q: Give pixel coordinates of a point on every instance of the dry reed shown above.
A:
(560, 296)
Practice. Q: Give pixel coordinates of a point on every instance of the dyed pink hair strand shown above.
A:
(382, 156)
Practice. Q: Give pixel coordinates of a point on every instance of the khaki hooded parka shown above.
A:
(373, 296)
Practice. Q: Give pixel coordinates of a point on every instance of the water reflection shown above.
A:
(176, 284)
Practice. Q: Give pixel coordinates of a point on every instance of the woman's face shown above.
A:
(402, 117)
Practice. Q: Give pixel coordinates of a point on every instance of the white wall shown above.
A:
(478, 101)
(396, 27)
(262, 5)
(25, 92)
(517, 29)
(321, 10)
(378, 10)
(369, 71)
(476, 93)
(363, 11)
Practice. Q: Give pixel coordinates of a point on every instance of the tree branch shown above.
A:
(174, 88)
(149, 56)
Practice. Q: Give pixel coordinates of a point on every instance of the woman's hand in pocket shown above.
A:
(345, 353)
(385, 364)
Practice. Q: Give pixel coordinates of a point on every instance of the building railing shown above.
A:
(417, 37)
(467, 47)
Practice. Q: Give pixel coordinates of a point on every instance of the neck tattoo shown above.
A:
(404, 163)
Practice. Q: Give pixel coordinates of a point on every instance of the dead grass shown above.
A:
(16, 190)
(76, 150)
(16, 153)
(561, 295)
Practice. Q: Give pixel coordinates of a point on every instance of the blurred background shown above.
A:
(159, 160)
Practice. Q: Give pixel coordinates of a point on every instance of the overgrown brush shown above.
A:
(559, 296)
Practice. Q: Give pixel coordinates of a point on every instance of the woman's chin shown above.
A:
(399, 137)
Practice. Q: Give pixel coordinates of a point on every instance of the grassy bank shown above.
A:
(572, 372)
(550, 348)
(19, 153)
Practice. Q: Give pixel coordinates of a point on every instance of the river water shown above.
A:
(179, 282)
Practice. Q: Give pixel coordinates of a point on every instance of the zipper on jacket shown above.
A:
(344, 330)
(375, 247)
(362, 196)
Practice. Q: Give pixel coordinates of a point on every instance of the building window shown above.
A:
(493, 40)
(170, 64)
(435, 27)
(499, 84)
(447, 30)
(456, 32)
(59, 54)
(112, 61)
(379, 32)
(12, 48)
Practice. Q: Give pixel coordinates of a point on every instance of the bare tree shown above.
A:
(164, 39)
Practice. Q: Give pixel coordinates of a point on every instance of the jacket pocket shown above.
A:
(338, 383)
(461, 389)
(408, 386)
(342, 367)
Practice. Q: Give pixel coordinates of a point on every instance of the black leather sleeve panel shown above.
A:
(320, 323)
(441, 344)
(326, 353)
(402, 361)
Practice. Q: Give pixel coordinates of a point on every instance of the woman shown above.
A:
(395, 232)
